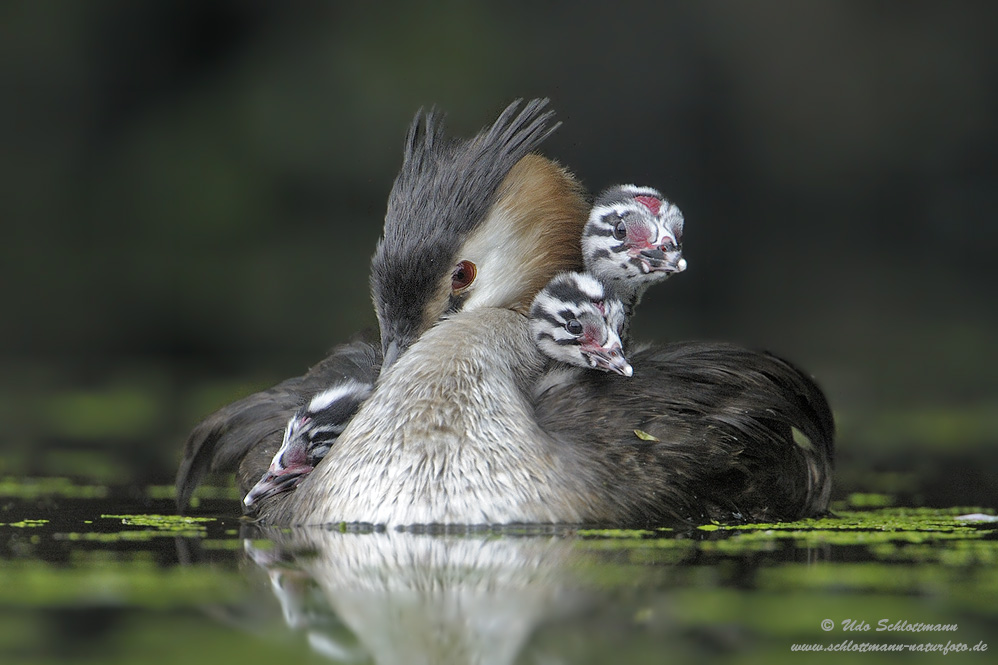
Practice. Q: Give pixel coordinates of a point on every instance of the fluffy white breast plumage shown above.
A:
(449, 438)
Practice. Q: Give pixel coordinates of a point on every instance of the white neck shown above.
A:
(449, 437)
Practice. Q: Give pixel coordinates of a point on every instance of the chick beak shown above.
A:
(657, 260)
(275, 481)
(608, 359)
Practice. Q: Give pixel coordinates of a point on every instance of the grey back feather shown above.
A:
(723, 421)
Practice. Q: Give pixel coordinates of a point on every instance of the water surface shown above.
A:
(92, 574)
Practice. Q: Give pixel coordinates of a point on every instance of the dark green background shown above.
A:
(190, 194)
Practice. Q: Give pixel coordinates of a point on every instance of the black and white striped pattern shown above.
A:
(309, 435)
(634, 238)
(575, 320)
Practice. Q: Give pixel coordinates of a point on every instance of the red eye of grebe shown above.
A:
(463, 275)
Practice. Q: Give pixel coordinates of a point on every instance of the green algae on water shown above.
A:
(26, 524)
(152, 526)
(937, 534)
(163, 522)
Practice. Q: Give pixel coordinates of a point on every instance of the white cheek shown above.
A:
(499, 282)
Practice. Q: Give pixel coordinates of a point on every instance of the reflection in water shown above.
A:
(416, 598)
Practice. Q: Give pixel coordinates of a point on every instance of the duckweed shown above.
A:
(162, 522)
(26, 524)
(891, 535)
(155, 526)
